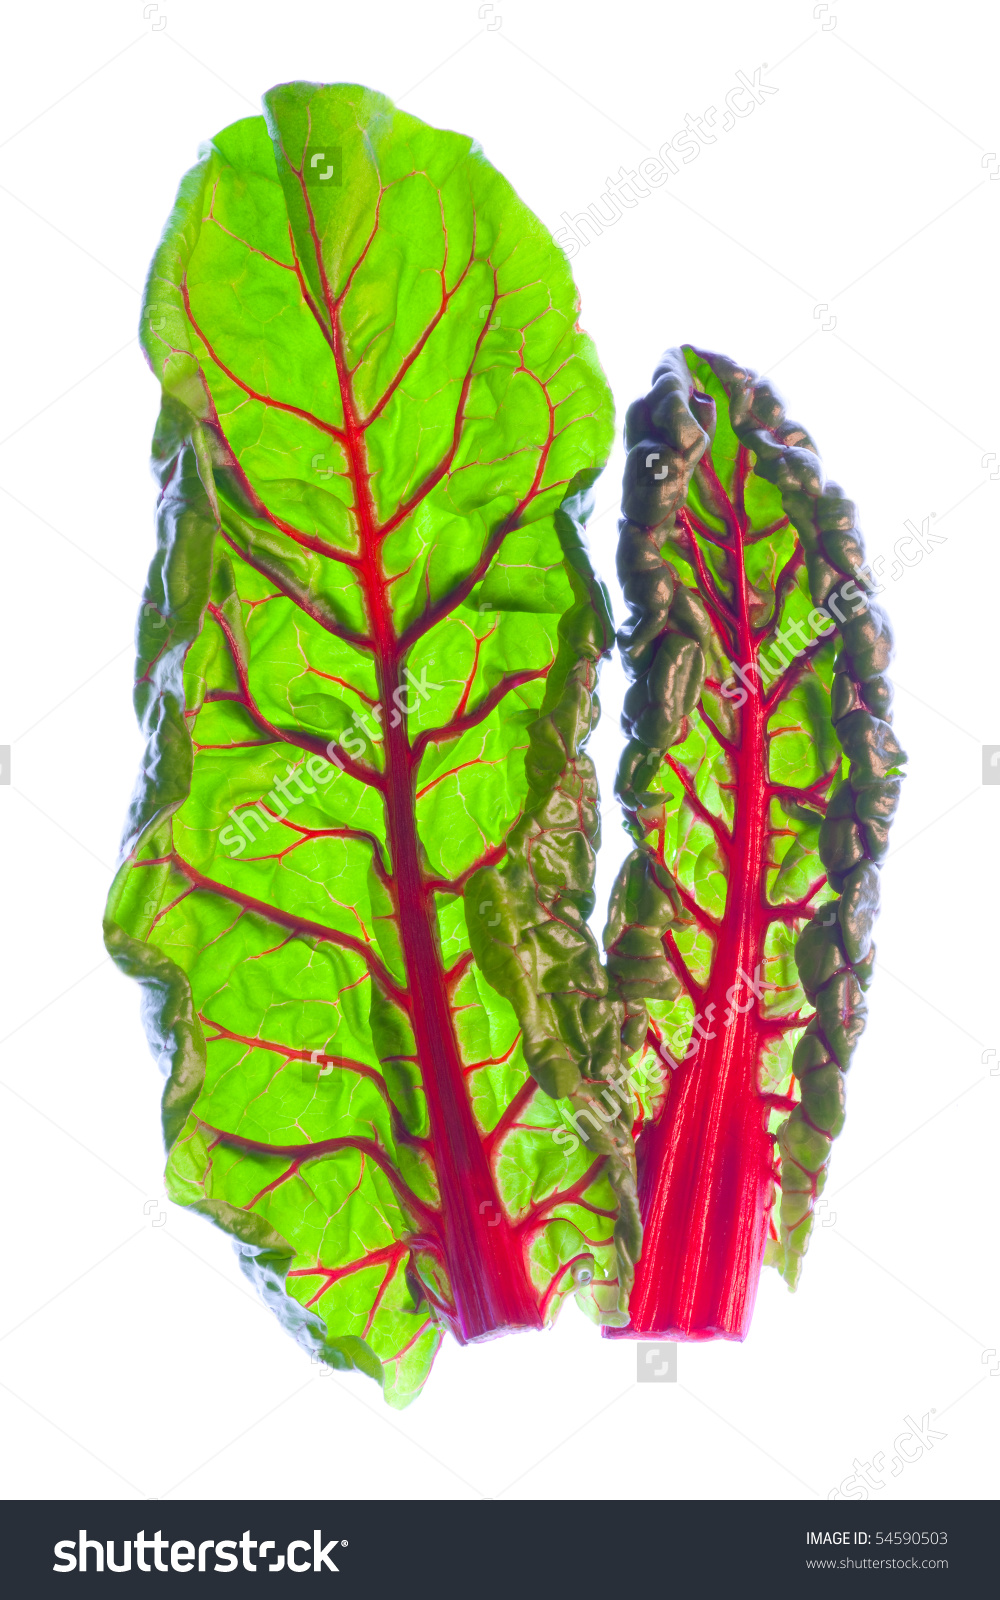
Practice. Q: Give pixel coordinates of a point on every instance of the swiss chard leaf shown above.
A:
(759, 781)
(367, 663)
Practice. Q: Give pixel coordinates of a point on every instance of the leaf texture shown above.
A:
(759, 781)
(367, 668)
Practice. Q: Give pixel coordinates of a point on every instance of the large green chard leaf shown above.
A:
(367, 664)
(759, 782)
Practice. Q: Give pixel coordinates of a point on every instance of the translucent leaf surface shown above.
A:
(367, 662)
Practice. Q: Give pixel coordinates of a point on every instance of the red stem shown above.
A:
(484, 1260)
(706, 1161)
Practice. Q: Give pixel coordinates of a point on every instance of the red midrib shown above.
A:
(707, 1162)
(484, 1259)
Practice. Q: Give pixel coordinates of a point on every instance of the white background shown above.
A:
(842, 237)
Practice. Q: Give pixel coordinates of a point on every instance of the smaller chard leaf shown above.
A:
(759, 781)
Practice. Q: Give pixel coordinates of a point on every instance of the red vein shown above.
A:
(253, 394)
(539, 1214)
(698, 806)
(471, 719)
(785, 582)
(320, 1058)
(460, 593)
(282, 1177)
(695, 522)
(782, 1024)
(704, 918)
(558, 1277)
(813, 793)
(359, 835)
(433, 478)
(510, 1117)
(723, 618)
(302, 741)
(297, 596)
(793, 673)
(471, 674)
(496, 1061)
(727, 744)
(793, 909)
(489, 858)
(332, 1275)
(447, 295)
(696, 991)
(328, 1147)
(302, 926)
(726, 510)
(751, 536)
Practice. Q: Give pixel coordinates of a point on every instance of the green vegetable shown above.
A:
(759, 781)
(367, 669)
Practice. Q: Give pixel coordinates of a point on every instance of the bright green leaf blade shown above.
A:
(367, 665)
